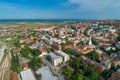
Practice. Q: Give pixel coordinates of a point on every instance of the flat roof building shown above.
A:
(27, 75)
(64, 55)
(46, 74)
(56, 60)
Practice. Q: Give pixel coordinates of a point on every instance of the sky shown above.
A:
(59, 9)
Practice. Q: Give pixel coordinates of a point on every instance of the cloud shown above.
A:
(17, 11)
(7, 6)
(96, 4)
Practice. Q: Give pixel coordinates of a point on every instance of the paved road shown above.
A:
(60, 77)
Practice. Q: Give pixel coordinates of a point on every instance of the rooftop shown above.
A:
(13, 76)
(115, 76)
(27, 75)
(53, 56)
(62, 53)
(46, 74)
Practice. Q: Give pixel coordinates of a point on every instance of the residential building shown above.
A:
(100, 67)
(55, 59)
(106, 61)
(56, 46)
(64, 55)
(43, 52)
(69, 45)
(115, 76)
(84, 49)
(24, 66)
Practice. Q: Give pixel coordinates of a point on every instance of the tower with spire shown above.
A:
(90, 41)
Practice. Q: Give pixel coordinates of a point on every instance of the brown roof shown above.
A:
(80, 36)
(24, 65)
(115, 76)
(42, 50)
(93, 63)
(13, 76)
(84, 49)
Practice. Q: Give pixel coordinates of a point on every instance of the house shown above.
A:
(84, 49)
(28, 40)
(64, 55)
(8, 39)
(21, 41)
(80, 37)
(93, 26)
(116, 62)
(115, 76)
(43, 52)
(35, 46)
(106, 61)
(55, 59)
(13, 76)
(16, 51)
(27, 75)
(69, 45)
(24, 66)
(56, 46)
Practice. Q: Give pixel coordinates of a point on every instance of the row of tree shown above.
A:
(35, 63)
(93, 55)
(27, 52)
(79, 70)
(15, 65)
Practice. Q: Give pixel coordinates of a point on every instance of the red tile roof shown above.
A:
(13, 76)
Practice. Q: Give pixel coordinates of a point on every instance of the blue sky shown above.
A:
(59, 9)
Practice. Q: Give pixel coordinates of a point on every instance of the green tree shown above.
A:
(35, 52)
(38, 77)
(76, 63)
(52, 49)
(35, 63)
(62, 44)
(25, 52)
(80, 43)
(106, 74)
(15, 65)
(93, 73)
(67, 51)
(118, 38)
(93, 55)
(68, 71)
(16, 43)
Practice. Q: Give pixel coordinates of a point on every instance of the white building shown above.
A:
(64, 55)
(118, 45)
(90, 41)
(56, 60)
(27, 75)
(46, 74)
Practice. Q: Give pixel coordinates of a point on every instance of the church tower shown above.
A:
(90, 41)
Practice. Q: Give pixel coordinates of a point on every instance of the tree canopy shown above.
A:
(15, 65)
(78, 70)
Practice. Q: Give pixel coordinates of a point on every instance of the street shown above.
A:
(60, 77)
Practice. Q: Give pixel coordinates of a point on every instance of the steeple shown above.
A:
(90, 41)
